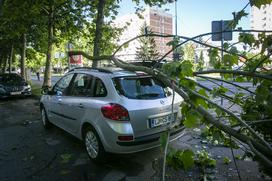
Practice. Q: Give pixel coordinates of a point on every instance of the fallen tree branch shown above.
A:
(227, 82)
(234, 72)
(266, 161)
(220, 95)
(234, 116)
(209, 118)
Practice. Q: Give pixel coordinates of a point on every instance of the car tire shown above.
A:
(44, 118)
(93, 145)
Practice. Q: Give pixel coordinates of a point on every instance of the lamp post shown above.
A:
(176, 55)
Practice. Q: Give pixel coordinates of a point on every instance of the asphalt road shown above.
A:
(29, 152)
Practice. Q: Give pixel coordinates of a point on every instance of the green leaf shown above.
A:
(203, 92)
(230, 60)
(186, 69)
(201, 102)
(65, 158)
(191, 84)
(192, 119)
(212, 163)
(239, 79)
(187, 159)
(226, 160)
(262, 94)
(247, 38)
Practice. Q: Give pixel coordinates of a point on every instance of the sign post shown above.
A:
(221, 31)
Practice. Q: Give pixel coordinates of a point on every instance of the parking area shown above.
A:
(29, 152)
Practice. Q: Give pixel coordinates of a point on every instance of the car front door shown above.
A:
(55, 102)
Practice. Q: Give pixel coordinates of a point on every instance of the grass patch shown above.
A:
(36, 90)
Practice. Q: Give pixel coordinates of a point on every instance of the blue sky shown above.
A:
(195, 16)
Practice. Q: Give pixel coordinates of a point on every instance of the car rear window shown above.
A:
(140, 87)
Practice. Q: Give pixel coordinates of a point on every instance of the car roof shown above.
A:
(110, 71)
(10, 74)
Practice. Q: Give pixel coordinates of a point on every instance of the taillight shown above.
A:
(115, 112)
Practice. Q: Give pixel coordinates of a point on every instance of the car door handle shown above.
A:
(80, 106)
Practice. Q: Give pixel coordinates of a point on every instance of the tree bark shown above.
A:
(5, 61)
(23, 54)
(10, 58)
(98, 30)
(47, 73)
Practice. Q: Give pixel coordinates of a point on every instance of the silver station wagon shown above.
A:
(111, 110)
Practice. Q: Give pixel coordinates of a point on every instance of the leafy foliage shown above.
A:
(181, 159)
(259, 3)
(200, 62)
(260, 108)
(204, 159)
(191, 118)
(214, 58)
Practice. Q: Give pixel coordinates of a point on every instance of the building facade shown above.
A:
(261, 19)
(159, 21)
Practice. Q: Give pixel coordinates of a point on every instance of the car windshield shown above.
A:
(10, 79)
(140, 87)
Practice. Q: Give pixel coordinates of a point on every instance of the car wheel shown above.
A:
(45, 121)
(93, 145)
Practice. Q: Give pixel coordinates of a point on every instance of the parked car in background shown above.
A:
(12, 84)
(112, 110)
(13, 70)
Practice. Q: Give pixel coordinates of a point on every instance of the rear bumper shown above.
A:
(142, 143)
(149, 139)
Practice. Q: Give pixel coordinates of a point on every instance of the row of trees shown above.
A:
(47, 24)
(43, 25)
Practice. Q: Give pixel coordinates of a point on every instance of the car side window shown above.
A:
(63, 84)
(82, 85)
(99, 88)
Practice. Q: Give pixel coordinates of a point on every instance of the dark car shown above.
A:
(13, 85)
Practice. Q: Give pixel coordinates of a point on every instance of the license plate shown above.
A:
(15, 93)
(154, 122)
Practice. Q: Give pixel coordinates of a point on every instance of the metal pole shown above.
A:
(222, 53)
(176, 18)
(176, 31)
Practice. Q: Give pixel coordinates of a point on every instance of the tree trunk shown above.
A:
(98, 30)
(10, 58)
(47, 73)
(5, 60)
(23, 54)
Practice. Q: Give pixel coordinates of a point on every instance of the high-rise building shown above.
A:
(159, 21)
(261, 18)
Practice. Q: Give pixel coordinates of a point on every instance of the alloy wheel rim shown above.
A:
(91, 143)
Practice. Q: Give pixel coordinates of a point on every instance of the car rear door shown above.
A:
(76, 103)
